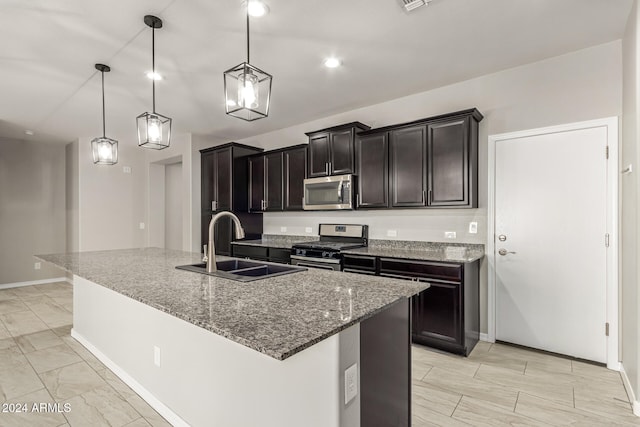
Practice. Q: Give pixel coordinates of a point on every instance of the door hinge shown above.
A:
(606, 240)
(607, 151)
(606, 329)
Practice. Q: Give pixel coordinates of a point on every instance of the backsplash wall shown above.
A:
(414, 224)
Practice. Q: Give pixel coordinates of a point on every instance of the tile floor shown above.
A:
(496, 385)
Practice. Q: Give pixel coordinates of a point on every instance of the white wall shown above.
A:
(581, 85)
(629, 184)
(32, 208)
(173, 205)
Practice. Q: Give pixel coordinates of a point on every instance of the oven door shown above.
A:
(328, 193)
(324, 264)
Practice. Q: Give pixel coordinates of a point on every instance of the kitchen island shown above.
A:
(210, 351)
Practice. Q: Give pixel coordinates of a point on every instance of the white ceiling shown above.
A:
(49, 47)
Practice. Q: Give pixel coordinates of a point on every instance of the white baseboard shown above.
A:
(635, 405)
(485, 337)
(33, 282)
(161, 408)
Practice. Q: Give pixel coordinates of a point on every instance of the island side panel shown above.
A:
(385, 367)
(205, 379)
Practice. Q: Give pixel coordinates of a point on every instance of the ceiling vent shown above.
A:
(410, 5)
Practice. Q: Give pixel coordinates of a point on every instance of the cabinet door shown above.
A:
(256, 183)
(437, 315)
(372, 164)
(408, 172)
(207, 194)
(448, 154)
(223, 179)
(273, 185)
(223, 230)
(319, 154)
(295, 171)
(341, 152)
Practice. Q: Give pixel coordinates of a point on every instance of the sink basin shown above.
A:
(243, 270)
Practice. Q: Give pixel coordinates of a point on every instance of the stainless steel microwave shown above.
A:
(328, 193)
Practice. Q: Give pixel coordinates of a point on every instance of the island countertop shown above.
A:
(278, 316)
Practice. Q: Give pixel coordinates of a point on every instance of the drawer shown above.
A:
(255, 252)
(421, 269)
(280, 255)
(359, 262)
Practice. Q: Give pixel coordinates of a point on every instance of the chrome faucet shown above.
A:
(211, 250)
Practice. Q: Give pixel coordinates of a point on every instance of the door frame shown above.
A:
(612, 303)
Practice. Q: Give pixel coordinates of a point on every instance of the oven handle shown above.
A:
(324, 260)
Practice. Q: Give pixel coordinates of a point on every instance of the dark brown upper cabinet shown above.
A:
(372, 168)
(295, 171)
(224, 188)
(408, 148)
(276, 179)
(265, 182)
(433, 162)
(331, 151)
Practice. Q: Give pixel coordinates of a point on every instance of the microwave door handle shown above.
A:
(340, 191)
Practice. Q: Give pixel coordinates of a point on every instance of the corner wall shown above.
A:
(629, 184)
(32, 208)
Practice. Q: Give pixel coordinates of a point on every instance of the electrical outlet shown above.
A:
(473, 227)
(37, 266)
(126, 169)
(142, 226)
(350, 383)
(156, 356)
(450, 234)
(308, 230)
(392, 233)
(283, 229)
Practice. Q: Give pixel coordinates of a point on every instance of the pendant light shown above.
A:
(154, 130)
(105, 150)
(247, 89)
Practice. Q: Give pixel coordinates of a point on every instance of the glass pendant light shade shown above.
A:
(105, 150)
(247, 91)
(154, 130)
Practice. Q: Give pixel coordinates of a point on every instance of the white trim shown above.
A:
(611, 123)
(162, 409)
(33, 282)
(635, 405)
(485, 337)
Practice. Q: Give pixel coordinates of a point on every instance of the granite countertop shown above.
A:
(425, 251)
(278, 316)
(275, 241)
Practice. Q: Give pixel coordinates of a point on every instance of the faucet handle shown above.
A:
(205, 258)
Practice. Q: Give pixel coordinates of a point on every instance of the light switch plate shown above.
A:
(392, 233)
(283, 229)
(156, 356)
(473, 227)
(126, 169)
(350, 383)
(37, 266)
(308, 230)
(450, 234)
(142, 226)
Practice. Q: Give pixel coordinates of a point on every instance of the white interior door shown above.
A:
(550, 257)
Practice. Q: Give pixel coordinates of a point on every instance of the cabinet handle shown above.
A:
(423, 197)
(358, 199)
(330, 166)
(430, 196)
(326, 168)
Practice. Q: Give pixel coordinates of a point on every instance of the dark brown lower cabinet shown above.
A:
(262, 253)
(447, 314)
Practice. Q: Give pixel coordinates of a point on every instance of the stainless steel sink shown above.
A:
(243, 270)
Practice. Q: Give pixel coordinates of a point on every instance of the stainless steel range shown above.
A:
(325, 253)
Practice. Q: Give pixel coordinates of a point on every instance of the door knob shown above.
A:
(502, 237)
(503, 252)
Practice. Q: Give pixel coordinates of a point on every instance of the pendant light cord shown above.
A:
(153, 65)
(248, 61)
(104, 132)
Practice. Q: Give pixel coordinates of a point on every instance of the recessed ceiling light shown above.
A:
(332, 62)
(257, 8)
(153, 76)
(29, 132)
